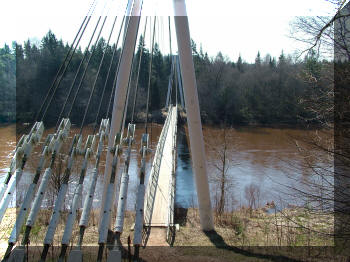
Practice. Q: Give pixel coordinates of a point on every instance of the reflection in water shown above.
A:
(7, 145)
(261, 156)
(264, 157)
(185, 188)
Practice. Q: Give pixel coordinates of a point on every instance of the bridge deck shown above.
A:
(159, 201)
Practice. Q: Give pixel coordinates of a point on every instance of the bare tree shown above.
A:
(320, 33)
(252, 195)
(222, 155)
(56, 180)
(328, 189)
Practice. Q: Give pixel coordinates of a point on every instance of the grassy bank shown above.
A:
(244, 227)
(241, 235)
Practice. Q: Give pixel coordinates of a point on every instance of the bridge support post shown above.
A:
(193, 114)
(121, 88)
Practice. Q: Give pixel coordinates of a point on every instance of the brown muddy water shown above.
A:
(265, 159)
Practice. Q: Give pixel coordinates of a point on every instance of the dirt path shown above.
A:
(157, 237)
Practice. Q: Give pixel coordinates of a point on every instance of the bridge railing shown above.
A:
(154, 174)
(170, 229)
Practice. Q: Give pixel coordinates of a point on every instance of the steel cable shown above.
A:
(171, 57)
(66, 57)
(85, 70)
(80, 64)
(138, 72)
(117, 69)
(107, 77)
(129, 83)
(76, 74)
(150, 75)
(97, 74)
(65, 69)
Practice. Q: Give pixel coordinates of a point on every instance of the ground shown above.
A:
(241, 235)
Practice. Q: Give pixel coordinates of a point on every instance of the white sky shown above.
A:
(230, 26)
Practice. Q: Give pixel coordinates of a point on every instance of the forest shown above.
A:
(270, 91)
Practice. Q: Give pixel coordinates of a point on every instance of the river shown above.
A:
(262, 160)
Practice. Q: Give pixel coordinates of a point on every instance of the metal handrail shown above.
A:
(154, 174)
(170, 228)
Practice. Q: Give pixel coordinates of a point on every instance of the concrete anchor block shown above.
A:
(75, 256)
(114, 256)
(17, 255)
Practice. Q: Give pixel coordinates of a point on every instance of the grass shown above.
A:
(240, 235)
(238, 228)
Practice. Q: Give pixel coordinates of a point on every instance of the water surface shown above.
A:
(264, 159)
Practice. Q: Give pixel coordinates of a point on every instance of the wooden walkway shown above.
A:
(159, 200)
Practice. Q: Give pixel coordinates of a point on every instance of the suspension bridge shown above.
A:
(154, 198)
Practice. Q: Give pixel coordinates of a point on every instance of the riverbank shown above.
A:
(159, 116)
(240, 235)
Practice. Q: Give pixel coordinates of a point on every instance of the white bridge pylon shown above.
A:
(191, 102)
(158, 202)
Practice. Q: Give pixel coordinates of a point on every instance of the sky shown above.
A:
(230, 26)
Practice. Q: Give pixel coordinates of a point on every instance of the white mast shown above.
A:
(193, 115)
(121, 88)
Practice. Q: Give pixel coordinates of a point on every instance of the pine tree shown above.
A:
(258, 60)
(272, 63)
(240, 64)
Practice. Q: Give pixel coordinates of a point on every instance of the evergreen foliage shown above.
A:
(265, 92)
